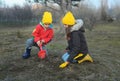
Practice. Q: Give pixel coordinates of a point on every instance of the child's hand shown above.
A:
(66, 51)
(42, 41)
(38, 43)
(63, 65)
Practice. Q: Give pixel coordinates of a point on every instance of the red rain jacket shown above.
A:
(40, 33)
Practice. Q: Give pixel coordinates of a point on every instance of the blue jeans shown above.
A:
(66, 56)
(30, 42)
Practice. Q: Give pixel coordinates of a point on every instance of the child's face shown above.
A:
(65, 25)
(46, 25)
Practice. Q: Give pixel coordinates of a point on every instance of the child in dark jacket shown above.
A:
(42, 34)
(77, 50)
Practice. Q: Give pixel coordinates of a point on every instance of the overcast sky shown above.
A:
(13, 2)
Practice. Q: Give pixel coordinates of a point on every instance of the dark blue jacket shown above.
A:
(77, 43)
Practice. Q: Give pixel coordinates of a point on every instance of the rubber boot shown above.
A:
(78, 56)
(86, 58)
(26, 54)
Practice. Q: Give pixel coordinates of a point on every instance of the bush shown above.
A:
(16, 15)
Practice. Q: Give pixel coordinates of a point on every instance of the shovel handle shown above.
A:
(41, 47)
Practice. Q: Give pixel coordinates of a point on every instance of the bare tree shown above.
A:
(65, 5)
(104, 8)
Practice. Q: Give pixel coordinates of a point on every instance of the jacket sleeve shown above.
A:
(35, 33)
(49, 37)
(68, 47)
(75, 46)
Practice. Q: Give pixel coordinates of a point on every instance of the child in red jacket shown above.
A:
(42, 34)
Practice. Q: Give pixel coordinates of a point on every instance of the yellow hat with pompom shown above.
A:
(47, 17)
(68, 19)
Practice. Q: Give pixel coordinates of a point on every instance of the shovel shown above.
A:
(41, 53)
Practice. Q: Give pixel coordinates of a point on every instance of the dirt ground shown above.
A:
(103, 42)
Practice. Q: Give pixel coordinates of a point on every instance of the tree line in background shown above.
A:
(15, 15)
(26, 15)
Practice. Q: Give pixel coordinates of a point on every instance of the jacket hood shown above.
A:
(78, 25)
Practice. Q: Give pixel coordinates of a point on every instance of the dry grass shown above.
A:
(103, 42)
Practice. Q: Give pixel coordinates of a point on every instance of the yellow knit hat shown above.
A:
(47, 17)
(68, 19)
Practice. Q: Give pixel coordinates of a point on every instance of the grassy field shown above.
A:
(103, 43)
